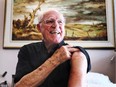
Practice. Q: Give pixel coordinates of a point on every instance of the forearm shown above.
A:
(38, 76)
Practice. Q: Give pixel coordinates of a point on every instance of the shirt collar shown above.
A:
(57, 46)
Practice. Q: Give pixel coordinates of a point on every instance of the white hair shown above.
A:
(40, 18)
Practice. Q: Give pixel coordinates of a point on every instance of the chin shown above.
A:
(57, 41)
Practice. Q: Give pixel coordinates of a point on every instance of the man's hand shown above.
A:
(64, 53)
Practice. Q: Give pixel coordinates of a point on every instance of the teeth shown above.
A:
(54, 32)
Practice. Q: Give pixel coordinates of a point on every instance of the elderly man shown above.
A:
(52, 62)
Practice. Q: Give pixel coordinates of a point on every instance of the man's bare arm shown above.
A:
(78, 70)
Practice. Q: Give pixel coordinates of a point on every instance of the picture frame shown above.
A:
(109, 43)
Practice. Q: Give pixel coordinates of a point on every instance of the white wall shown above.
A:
(8, 57)
(115, 35)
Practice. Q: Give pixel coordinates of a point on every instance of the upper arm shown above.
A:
(87, 57)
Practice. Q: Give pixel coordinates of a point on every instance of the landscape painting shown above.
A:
(86, 20)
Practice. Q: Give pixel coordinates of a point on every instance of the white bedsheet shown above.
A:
(99, 80)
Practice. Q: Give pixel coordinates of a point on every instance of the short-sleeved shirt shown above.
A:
(31, 56)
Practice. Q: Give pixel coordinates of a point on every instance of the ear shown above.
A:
(38, 27)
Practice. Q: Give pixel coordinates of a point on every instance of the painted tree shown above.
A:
(32, 15)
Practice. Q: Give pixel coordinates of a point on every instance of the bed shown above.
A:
(93, 79)
(99, 80)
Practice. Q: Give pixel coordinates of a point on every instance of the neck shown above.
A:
(49, 46)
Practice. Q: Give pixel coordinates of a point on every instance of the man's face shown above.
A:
(52, 27)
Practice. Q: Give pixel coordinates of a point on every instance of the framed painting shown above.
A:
(89, 23)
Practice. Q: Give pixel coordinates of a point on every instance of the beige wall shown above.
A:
(8, 57)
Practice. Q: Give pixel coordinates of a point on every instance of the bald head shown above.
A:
(44, 14)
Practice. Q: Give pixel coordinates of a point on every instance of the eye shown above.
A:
(49, 21)
(60, 21)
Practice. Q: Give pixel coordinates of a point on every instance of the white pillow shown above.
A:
(97, 78)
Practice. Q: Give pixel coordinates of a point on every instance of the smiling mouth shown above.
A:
(54, 32)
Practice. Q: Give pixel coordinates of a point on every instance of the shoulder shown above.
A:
(31, 47)
(87, 57)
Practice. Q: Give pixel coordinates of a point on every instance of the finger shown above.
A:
(73, 49)
(68, 46)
